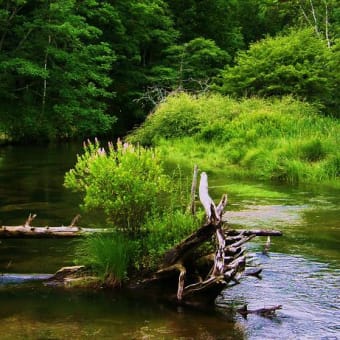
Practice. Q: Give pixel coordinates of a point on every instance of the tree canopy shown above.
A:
(74, 68)
(298, 63)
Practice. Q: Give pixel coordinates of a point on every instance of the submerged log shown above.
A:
(265, 312)
(74, 277)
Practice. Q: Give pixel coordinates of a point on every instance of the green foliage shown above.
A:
(194, 63)
(214, 20)
(164, 232)
(126, 182)
(313, 150)
(280, 139)
(54, 73)
(298, 63)
(145, 207)
(73, 68)
(169, 121)
(106, 254)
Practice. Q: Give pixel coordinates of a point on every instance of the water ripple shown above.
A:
(307, 290)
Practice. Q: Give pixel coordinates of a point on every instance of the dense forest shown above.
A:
(72, 68)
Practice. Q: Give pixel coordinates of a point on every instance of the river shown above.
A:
(301, 272)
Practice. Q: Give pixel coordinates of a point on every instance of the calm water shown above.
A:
(302, 272)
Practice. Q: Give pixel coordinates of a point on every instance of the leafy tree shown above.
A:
(198, 60)
(190, 66)
(54, 70)
(298, 63)
(147, 32)
(214, 20)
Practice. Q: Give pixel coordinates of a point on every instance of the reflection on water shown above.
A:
(302, 272)
(52, 314)
(35, 255)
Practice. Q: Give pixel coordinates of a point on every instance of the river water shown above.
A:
(301, 272)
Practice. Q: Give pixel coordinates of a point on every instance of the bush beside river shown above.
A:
(283, 140)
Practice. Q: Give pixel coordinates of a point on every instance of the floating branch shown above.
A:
(266, 312)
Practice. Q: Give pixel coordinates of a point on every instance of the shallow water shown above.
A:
(302, 271)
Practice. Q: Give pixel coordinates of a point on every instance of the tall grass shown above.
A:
(108, 255)
(280, 139)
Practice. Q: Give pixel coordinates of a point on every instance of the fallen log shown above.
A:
(200, 279)
(28, 231)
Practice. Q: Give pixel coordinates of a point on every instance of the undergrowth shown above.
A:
(282, 140)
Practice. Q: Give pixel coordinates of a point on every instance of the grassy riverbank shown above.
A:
(281, 140)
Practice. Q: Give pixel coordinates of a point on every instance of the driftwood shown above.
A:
(28, 231)
(196, 279)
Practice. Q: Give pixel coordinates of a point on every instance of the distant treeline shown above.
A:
(76, 68)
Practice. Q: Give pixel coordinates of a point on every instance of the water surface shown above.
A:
(302, 271)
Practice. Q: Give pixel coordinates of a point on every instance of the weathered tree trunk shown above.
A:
(200, 279)
(28, 231)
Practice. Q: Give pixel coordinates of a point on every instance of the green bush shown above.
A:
(171, 120)
(124, 181)
(278, 139)
(164, 232)
(145, 205)
(298, 63)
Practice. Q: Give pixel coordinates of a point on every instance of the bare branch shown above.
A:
(314, 18)
(29, 220)
(326, 25)
(192, 206)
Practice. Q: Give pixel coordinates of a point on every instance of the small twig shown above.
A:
(29, 220)
(266, 246)
(75, 220)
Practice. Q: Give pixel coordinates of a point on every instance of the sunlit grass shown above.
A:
(281, 140)
(253, 191)
(107, 255)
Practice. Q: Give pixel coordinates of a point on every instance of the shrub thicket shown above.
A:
(299, 63)
(124, 181)
(279, 139)
(145, 206)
